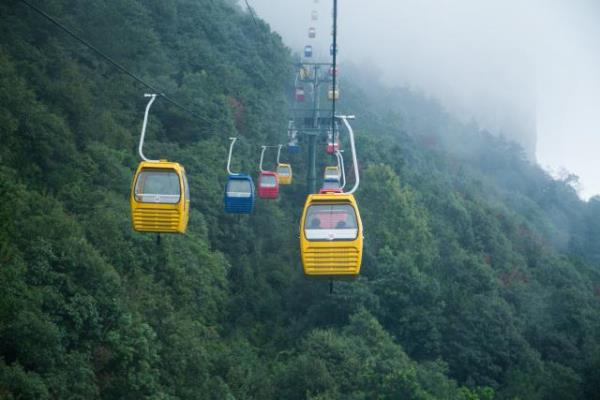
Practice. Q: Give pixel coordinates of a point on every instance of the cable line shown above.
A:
(251, 14)
(113, 62)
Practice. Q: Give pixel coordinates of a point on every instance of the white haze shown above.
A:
(513, 65)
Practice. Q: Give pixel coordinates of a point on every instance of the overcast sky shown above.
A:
(482, 58)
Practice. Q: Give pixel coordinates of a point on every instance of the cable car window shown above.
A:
(331, 184)
(330, 222)
(268, 181)
(283, 171)
(239, 188)
(331, 173)
(157, 186)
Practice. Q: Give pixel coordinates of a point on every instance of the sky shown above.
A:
(533, 62)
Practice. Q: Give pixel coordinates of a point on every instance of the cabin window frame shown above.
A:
(328, 230)
(139, 197)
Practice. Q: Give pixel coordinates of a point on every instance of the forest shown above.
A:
(480, 276)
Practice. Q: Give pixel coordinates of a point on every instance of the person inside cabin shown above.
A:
(340, 225)
(315, 223)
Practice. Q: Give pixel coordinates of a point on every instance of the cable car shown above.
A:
(331, 235)
(239, 194)
(305, 72)
(239, 189)
(333, 94)
(299, 94)
(331, 50)
(293, 148)
(331, 185)
(160, 198)
(332, 147)
(314, 15)
(160, 195)
(308, 51)
(284, 173)
(312, 32)
(332, 172)
(333, 71)
(268, 185)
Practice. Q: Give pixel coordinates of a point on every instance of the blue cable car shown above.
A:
(308, 51)
(239, 194)
(239, 190)
(293, 148)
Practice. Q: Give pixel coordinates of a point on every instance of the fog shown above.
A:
(527, 69)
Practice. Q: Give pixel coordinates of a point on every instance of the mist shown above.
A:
(527, 70)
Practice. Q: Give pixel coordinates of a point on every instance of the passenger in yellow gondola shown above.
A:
(157, 186)
(331, 222)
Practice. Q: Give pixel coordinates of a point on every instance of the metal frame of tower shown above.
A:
(318, 125)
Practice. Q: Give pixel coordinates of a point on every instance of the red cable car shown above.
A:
(332, 147)
(299, 94)
(268, 185)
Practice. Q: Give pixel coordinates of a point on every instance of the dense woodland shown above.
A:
(481, 273)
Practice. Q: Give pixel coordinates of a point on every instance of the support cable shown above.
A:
(113, 62)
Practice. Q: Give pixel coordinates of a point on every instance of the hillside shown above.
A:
(480, 277)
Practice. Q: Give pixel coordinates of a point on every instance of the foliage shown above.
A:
(480, 274)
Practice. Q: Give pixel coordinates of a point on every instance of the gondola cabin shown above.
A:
(333, 71)
(314, 15)
(160, 198)
(332, 172)
(239, 194)
(331, 235)
(333, 94)
(331, 50)
(332, 147)
(305, 73)
(268, 185)
(308, 51)
(293, 148)
(284, 173)
(331, 186)
(312, 32)
(299, 94)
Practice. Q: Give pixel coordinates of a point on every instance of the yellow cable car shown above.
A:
(331, 235)
(332, 172)
(305, 73)
(284, 171)
(160, 197)
(333, 94)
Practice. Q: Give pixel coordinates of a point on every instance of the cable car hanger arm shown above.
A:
(278, 152)
(340, 158)
(345, 119)
(144, 124)
(233, 140)
(262, 156)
